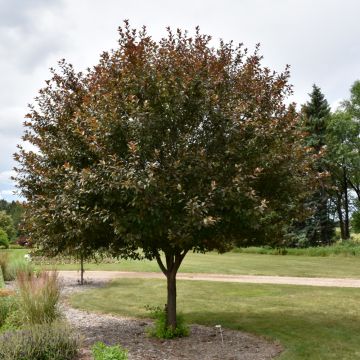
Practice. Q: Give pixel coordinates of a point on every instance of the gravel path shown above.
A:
(204, 343)
(110, 275)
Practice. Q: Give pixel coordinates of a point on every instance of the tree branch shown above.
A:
(160, 263)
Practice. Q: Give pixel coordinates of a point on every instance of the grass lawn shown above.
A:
(239, 263)
(15, 253)
(310, 322)
(249, 264)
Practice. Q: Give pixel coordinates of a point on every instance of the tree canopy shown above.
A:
(168, 147)
(343, 156)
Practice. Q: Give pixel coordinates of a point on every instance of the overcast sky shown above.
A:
(319, 39)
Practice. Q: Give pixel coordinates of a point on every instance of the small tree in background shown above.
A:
(168, 147)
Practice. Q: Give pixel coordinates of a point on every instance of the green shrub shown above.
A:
(4, 240)
(161, 330)
(103, 352)
(38, 297)
(40, 342)
(11, 317)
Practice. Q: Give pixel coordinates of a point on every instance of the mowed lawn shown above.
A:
(310, 322)
(246, 264)
(236, 263)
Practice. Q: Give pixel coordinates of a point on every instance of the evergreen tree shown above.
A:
(318, 228)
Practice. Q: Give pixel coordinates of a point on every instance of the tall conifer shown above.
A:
(319, 227)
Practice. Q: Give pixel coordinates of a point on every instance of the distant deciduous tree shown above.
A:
(168, 147)
(15, 209)
(343, 138)
(352, 107)
(6, 223)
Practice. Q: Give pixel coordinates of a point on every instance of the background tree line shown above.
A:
(334, 138)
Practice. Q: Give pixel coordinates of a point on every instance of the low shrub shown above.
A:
(40, 342)
(10, 318)
(103, 352)
(341, 248)
(38, 297)
(6, 305)
(161, 330)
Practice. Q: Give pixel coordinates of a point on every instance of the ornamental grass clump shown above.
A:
(56, 341)
(38, 297)
(18, 266)
(10, 268)
(4, 264)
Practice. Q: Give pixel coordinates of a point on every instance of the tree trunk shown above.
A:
(340, 216)
(173, 262)
(82, 270)
(346, 206)
(171, 300)
(323, 217)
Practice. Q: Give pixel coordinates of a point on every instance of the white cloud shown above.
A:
(5, 176)
(11, 120)
(8, 195)
(7, 186)
(336, 104)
